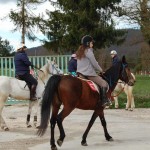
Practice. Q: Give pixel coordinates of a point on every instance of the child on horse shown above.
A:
(72, 65)
(22, 69)
(87, 66)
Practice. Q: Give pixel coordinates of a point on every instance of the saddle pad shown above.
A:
(92, 85)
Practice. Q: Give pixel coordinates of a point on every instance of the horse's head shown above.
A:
(53, 68)
(125, 74)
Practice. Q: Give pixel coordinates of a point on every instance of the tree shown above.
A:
(23, 18)
(66, 25)
(138, 11)
(5, 48)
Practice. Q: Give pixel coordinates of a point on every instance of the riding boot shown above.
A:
(103, 96)
(33, 93)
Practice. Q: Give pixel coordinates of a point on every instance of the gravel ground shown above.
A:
(130, 130)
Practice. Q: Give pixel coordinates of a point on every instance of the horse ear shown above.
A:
(54, 60)
(47, 60)
(123, 59)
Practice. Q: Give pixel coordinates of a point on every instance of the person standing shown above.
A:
(114, 56)
(87, 66)
(72, 65)
(22, 70)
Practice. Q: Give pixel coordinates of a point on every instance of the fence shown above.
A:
(7, 67)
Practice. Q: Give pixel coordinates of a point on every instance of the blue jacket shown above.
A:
(115, 60)
(22, 63)
(72, 65)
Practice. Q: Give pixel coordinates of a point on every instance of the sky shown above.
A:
(6, 26)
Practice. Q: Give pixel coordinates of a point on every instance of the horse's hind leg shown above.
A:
(2, 121)
(31, 104)
(65, 112)
(52, 126)
(93, 118)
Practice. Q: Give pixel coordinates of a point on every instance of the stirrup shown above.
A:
(33, 98)
(108, 103)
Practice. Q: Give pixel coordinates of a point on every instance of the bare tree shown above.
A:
(138, 11)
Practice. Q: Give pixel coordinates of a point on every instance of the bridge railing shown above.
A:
(7, 67)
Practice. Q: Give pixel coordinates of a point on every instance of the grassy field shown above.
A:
(141, 93)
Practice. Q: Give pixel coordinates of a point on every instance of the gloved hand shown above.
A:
(101, 73)
(32, 66)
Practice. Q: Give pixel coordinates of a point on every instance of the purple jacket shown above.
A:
(115, 60)
(22, 63)
(72, 65)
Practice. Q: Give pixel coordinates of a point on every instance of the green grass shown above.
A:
(141, 92)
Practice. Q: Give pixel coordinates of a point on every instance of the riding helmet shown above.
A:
(86, 40)
(113, 52)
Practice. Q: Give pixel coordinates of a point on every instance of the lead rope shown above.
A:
(119, 91)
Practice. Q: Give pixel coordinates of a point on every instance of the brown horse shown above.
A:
(74, 93)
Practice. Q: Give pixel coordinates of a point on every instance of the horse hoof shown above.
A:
(29, 126)
(6, 129)
(59, 142)
(37, 127)
(54, 148)
(84, 144)
(111, 139)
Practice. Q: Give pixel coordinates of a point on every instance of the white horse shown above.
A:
(17, 89)
(130, 105)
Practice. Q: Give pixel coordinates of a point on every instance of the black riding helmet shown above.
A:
(86, 40)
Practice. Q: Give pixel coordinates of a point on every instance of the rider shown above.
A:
(114, 56)
(87, 66)
(72, 65)
(22, 69)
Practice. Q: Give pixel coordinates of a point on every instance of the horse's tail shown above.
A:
(48, 96)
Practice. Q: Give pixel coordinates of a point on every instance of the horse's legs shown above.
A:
(103, 122)
(52, 126)
(130, 99)
(60, 118)
(2, 121)
(31, 104)
(116, 102)
(93, 118)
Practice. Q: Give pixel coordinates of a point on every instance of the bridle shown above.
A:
(51, 73)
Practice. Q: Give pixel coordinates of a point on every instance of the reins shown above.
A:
(119, 91)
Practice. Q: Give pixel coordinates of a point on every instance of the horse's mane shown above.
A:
(111, 75)
(43, 71)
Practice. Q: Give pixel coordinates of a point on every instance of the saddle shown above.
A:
(91, 84)
(17, 77)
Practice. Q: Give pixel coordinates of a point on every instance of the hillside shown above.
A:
(130, 47)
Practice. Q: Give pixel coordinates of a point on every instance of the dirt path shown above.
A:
(130, 130)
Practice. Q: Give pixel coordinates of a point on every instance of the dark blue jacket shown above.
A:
(115, 60)
(22, 63)
(72, 65)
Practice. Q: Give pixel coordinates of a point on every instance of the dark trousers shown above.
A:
(29, 79)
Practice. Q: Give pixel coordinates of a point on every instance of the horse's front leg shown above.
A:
(116, 102)
(2, 121)
(93, 118)
(104, 124)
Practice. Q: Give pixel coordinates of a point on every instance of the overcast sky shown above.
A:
(14, 38)
(6, 26)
